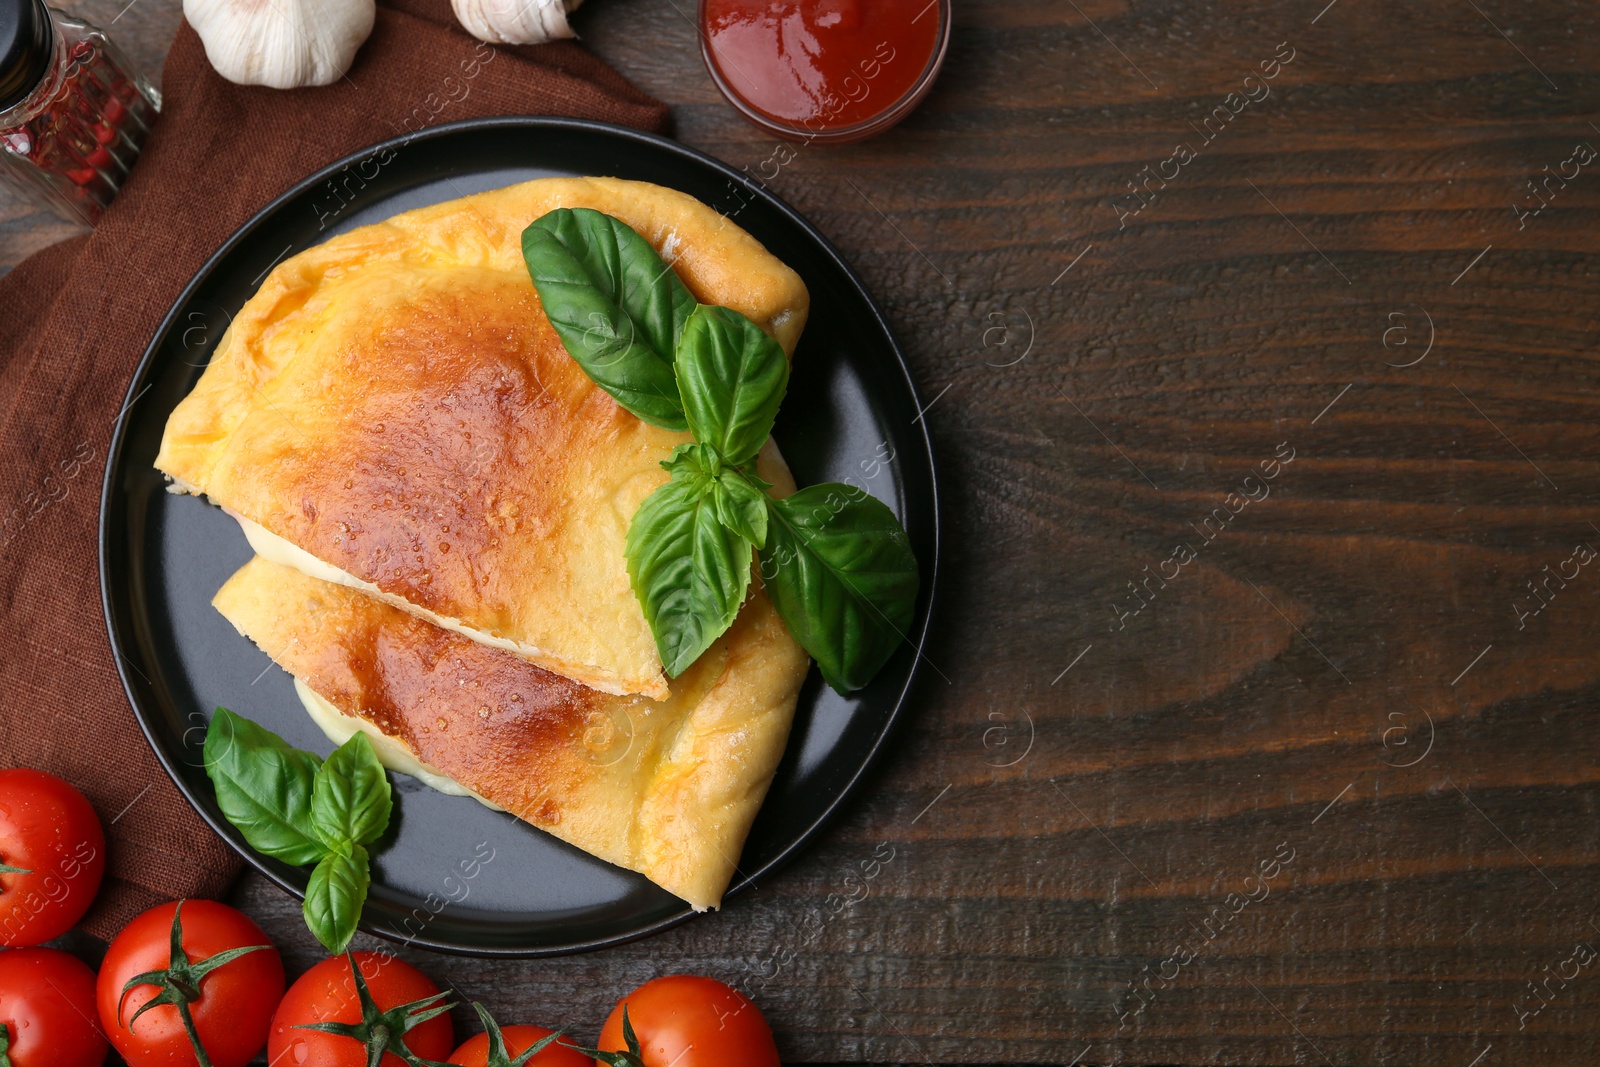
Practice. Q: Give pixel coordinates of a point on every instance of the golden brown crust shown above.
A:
(395, 403)
(668, 789)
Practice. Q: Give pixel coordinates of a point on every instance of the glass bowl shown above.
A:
(820, 129)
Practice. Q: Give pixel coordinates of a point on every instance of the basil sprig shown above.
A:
(300, 809)
(836, 562)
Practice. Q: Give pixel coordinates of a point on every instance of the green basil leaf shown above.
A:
(264, 787)
(839, 569)
(732, 377)
(350, 801)
(615, 305)
(691, 461)
(334, 896)
(741, 507)
(689, 571)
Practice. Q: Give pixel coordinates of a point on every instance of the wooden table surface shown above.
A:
(1262, 730)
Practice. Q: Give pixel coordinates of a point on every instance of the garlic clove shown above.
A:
(515, 21)
(281, 43)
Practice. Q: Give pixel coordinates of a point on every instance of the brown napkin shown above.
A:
(74, 320)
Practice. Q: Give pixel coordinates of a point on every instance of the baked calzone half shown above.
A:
(392, 411)
(666, 788)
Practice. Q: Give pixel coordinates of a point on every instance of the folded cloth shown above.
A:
(74, 319)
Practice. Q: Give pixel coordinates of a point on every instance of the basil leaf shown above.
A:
(350, 801)
(839, 569)
(334, 896)
(264, 787)
(615, 305)
(732, 377)
(691, 461)
(741, 507)
(689, 571)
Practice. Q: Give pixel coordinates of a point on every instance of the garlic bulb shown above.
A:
(281, 43)
(515, 21)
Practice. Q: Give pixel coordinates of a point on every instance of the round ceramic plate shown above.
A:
(851, 414)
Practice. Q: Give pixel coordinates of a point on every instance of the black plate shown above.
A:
(851, 406)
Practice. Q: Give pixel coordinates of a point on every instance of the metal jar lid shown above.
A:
(27, 40)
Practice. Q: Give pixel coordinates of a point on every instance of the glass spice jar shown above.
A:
(73, 111)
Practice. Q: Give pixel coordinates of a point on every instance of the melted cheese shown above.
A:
(391, 753)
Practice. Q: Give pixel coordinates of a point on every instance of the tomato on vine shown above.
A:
(686, 1021)
(362, 1009)
(47, 1011)
(516, 1046)
(52, 856)
(189, 982)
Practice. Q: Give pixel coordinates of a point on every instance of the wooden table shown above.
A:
(1263, 724)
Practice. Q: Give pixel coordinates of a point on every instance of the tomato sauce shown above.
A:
(819, 65)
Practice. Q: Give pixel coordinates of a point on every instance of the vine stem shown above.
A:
(194, 1035)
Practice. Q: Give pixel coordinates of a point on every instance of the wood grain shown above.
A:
(1339, 671)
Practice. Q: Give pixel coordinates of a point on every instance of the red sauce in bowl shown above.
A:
(833, 69)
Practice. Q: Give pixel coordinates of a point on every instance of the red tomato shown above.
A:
(47, 1010)
(236, 998)
(48, 830)
(686, 1021)
(328, 993)
(474, 1052)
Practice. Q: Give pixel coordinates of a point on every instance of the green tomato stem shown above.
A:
(4, 869)
(194, 1035)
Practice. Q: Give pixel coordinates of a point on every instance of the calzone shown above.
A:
(666, 788)
(393, 412)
